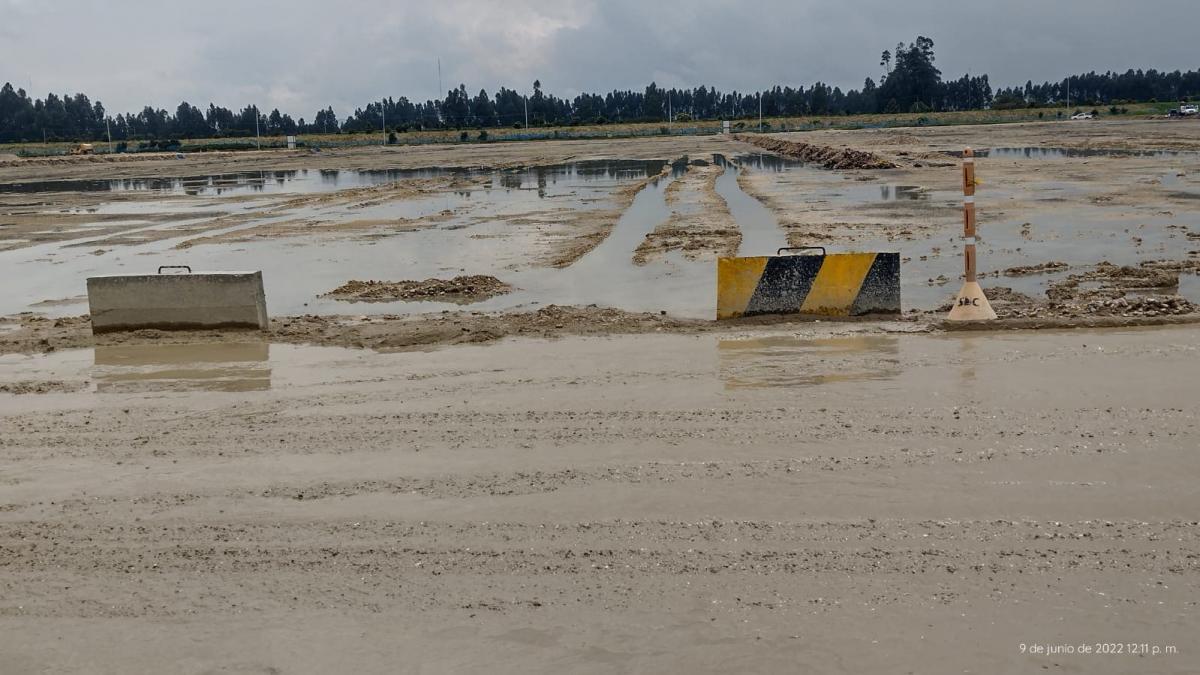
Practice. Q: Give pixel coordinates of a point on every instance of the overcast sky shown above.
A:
(301, 55)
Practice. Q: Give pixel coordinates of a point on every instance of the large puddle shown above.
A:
(305, 181)
(250, 366)
(495, 223)
(237, 367)
(761, 233)
(162, 368)
(299, 269)
(786, 361)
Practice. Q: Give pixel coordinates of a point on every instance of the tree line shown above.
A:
(909, 82)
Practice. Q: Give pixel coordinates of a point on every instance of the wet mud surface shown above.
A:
(824, 497)
(32, 333)
(587, 473)
(599, 222)
(699, 226)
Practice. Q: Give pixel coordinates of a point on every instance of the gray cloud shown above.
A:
(302, 55)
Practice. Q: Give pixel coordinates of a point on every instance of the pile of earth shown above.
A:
(1107, 280)
(1104, 291)
(1042, 268)
(461, 290)
(1138, 305)
(824, 155)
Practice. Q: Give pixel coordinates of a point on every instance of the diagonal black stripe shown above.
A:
(880, 290)
(784, 284)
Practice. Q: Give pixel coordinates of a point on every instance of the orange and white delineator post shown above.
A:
(971, 304)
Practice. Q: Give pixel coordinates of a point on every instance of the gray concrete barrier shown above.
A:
(177, 301)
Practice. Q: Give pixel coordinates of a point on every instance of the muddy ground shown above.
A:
(700, 225)
(826, 499)
(588, 474)
(1073, 194)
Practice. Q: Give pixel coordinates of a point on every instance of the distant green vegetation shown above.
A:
(770, 125)
(910, 84)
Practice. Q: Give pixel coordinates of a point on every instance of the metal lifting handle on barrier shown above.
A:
(801, 248)
(174, 267)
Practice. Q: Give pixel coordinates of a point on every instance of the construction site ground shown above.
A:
(545, 456)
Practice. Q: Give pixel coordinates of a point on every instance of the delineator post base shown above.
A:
(971, 304)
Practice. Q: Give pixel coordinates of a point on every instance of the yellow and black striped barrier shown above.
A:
(835, 284)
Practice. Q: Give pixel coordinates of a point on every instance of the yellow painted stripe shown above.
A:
(736, 280)
(837, 284)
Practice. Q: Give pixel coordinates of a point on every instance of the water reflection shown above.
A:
(797, 362)
(303, 181)
(902, 192)
(760, 161)
(229, 367)
(761, 233)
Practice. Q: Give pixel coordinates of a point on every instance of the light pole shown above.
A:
(257, 141)
(108, 130)
(383, 112)
(526, 112)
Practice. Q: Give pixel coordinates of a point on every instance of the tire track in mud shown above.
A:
(590, 229)
(701, 225)
(180, 568)
(924, 448)
(112, 434)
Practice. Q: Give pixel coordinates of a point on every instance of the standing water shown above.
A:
(761, 234)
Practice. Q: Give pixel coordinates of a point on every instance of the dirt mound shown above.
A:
(461, 290)
(1167, 305)
(1004, 295)
(1107, 280)
(1042, 268)
(1177, 266)
(37, 334)
(400, 333)
(824, 155)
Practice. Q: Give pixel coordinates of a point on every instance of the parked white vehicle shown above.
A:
(1189, 110)
(1082, 116)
